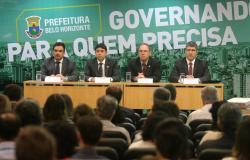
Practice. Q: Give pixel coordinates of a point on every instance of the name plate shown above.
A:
(52, 79)
(145, 80)
(191, 81)
(102, 79)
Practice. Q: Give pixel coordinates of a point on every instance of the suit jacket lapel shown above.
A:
(64, 67)
(196, 67)
(185, 66)
(95, 66)
(107, 67)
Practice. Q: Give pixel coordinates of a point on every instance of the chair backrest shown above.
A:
(107, 152)
(197, 137)
(214, 154)
(140, 123)
(114, 134)
(137, 153)
(195, 123)
(120, 145)
(129, 127)
(204, 127)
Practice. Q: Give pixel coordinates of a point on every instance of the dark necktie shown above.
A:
(57, 70)
(144, 68)
(190, 69)
(100, 70)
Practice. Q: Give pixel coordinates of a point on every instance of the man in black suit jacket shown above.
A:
(190, 66)
(101, 66)
(144, 66)
(58, 65)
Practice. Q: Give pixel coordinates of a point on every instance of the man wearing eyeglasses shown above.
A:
(191, 66)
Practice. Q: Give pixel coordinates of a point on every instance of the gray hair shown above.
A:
(106, 106)
(209, 94)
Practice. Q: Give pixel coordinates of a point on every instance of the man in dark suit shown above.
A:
(144, 66)
(101, 66)
(190, 66)
(58, 65)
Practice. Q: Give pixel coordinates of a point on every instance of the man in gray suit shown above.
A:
(101, 66)
(191, 66)
(58, 65)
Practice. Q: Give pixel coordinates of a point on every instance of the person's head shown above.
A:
(5, 105)
(35, 143)
(144, 52)
(242, 142)
(13, 92)
(114, 91)
(170, 108)
(209, 95)
(172, 90)
(69, 105)
(54, 108)
(191, 50)
(106, 106)
(58, 50)
(9, 126)
(170, 138)
(151, 122)
(229, 118)
(100, 51)
(66, 138)
(161, 95)
(214, 110)
(82, 109)
(29, 112)
(90, 129)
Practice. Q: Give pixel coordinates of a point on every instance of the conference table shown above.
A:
(135, 95)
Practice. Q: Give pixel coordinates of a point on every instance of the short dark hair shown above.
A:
(59, 44)
(214, 111)
(242, 141)
(106, 106)
(13, 92)
(161, 95)
(9, 126)
(172, 90)
(229, 116)
(82, 109)
(150, 124)
(171, 109)
(90, 128)
(101, 45)
(68, 105)
(192, 44)
(5, 105)
(35, 143)
(54, 108)
(29, 112)
(114, 91)
(66, 138)
(170, 138)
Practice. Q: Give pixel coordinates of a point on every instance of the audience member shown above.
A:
(14, 92)
(172, 90)
(121, 112)
(170, 108)
(5, 105)
(208, 97)
(214, 133)
(229, 117)
(82, 109)
(29, 112)
(90, 130)
(69, 105)
(66, 139)
(35, 143)
(9, 128)
(170, 139)
(106, 106)
(161, 95)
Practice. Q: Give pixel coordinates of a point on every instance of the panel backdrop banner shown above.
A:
(220, 28)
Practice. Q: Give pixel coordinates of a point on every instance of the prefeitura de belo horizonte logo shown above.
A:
(34, 30)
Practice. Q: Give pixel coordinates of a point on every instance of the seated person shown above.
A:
(101, 66)
(145, 66)
(191, 66)
(58, 65)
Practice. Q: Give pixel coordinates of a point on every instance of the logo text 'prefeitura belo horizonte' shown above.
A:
(34, 30)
